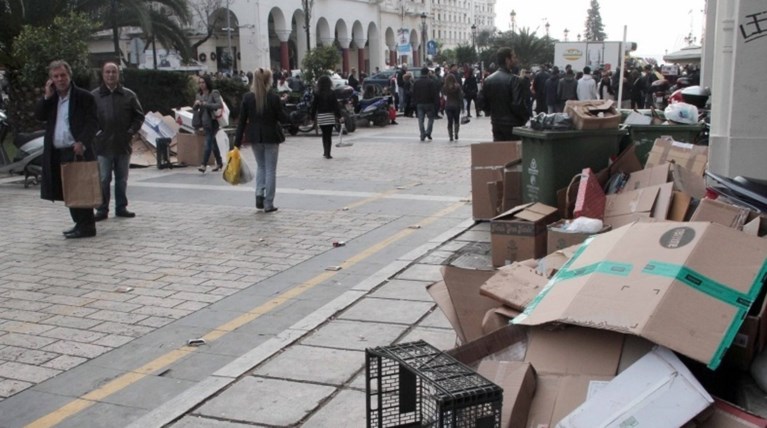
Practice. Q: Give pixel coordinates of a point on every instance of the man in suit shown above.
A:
(71, 123)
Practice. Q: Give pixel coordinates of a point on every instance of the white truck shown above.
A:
(596, 55)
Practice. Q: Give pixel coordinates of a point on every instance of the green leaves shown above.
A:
(66, 38)
(319, 61)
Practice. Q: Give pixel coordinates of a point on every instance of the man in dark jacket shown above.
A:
(425, 96)
(539, 86)
(503, 97)
(71, 122)
(120, 117)
(552, 102)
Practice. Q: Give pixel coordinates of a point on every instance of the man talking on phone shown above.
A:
(71, 123)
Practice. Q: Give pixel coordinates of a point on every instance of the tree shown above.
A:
(206, 11)
(465, 54)
(318, 61)
(594, 31)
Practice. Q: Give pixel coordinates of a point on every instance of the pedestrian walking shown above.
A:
(262, 114)
(71, 121)
(504, 97)
(470, 91)
(453, 105)
(425, 97)
(539, 88)
(326, 112)
(207, 101)
(120, 117)
(552, 101)
(567, 88)
(587, 86)
(407, 90)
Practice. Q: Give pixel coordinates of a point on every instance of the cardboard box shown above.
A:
(520, 233)
(627, 207)
(558, 238)
(512, 185)
(190, 149)
(498, 318)
(686, 286)
(751, 338)
(721, 212)
(488, 161)
(593, 114)
(657, 391)
(725, 415)
(690, 156)
(514, 285)
(518, 382)
(459, 299)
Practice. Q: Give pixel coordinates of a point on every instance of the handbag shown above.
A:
(280, 134)
(197, 119)
(232, 170)
(81, 185)
(465, 119)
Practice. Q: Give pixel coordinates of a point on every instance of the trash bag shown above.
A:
(551, 122)
(232, 170)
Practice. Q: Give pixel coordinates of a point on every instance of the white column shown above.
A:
(738, 145)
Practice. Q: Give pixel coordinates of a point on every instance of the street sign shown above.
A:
(431, 47)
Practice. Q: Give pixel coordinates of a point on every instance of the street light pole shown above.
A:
(473, 37)
(566, 33)
(229, 37)
(423, 36)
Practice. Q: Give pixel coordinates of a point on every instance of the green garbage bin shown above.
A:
(644, 136)
(550, 159)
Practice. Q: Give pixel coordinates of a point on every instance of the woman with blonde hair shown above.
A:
(261, 113)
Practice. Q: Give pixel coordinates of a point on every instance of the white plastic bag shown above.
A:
(584, 225)
(341, 142)
(222, 115)
(246, 175)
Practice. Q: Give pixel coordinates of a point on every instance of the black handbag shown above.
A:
(280, 133)
(197, 119)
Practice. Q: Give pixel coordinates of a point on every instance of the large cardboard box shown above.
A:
(518, 382)
(488, 161)
(520, 233)
(656, 391)
(514, 285)
(721, 212)
(640, 204)
(686, 286)
(690, 156)
(593, 114)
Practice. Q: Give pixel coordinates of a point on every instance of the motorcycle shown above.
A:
(298, 113)
(744, 191)
(374, 107)
(346, 97)
(660, 93)
(28, 156)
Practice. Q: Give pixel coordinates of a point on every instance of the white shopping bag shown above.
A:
(341, 142)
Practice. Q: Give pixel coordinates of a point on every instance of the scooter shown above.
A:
(347, 99)
(298, 113)
(375, 110)
(29, 153)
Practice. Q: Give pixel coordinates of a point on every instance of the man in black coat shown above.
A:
(71, 123)
(425, 96)
(504, 97)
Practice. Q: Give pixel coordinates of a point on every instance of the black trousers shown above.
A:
(83, 217)
(327, 138)
(503, 133)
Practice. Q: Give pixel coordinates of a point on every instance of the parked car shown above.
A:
(380, 79)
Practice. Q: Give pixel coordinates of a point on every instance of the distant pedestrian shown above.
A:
(261, 114)
(470, 91)
(120, 118)
(207, 101)
(453, 105)
(326, 112)
(567, 89)
(407, 91)
(425, 97)
(587, 86)
(539, 88)
(71, 122)
(552, 101)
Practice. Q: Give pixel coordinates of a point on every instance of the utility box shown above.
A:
(416, 385)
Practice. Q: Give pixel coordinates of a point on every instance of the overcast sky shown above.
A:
(657, 26)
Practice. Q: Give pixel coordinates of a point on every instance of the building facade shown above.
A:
(369, 34)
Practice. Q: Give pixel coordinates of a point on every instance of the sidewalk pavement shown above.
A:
(313, 374)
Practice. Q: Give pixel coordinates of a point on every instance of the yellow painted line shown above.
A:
(371, 199)
(79, 404)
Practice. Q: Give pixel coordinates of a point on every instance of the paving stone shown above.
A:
(108, 295)
(197, 297)
(76, 349)
(280, 403)
(114, 306)
(345, 409)
(421, 272)
(76, 335)
(313, 364)
(387, 310)
(24, 327)
(64, 362)
(436, 319)
(25, 341)
(162, 312)
(69, 311)
(27, 356)
(163, 302)
(26, 372)
(437, 337)
(73, 322)
(155, 322)
(203, 422)
(126, 329)
(354, 335)
(28, 316)
(404, 290)
(10, 387)
(120, 317)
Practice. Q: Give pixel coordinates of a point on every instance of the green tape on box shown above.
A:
(741, 301)
(607, 267)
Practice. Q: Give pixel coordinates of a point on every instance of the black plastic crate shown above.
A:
(416, 385)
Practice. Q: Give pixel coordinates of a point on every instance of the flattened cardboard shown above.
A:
(497, 318)
(626, 207)
(692, 157)
(489, 344)
(469, 306)
(720, 212)
(626, 280)
(574, 351)
(512, 185)
(556, 396)
(190, 149)
(518, 382)
(487, 165)
(438, 291)
(520, 233)
(725, 415)
(514, 285)
(750, 340)
(650, 176)
(656, 391)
